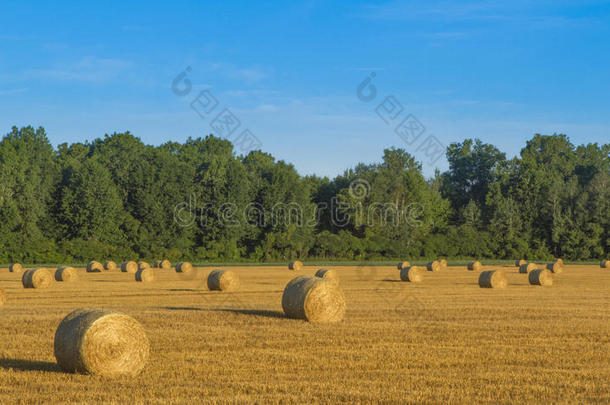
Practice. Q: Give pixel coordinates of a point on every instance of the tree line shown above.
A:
(119, 198)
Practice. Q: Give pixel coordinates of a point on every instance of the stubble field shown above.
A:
(442, 340)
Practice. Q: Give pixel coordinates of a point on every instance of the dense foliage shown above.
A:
(117, 197)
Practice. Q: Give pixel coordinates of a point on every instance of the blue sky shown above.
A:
(499, 71)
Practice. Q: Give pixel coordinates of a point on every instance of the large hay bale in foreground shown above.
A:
(475, 266)
(36, 278)
(527, 267)
(145, 275)
(433, 266)
(165, 264)
(313, 299)
(402, 265)
(541, 277)
(412, 274)
(66, 274)
(2, 296)
(555, 267)
(493, 279)
(223, 280)
(143, 265)
(15, 268)
(296, 265)
(129, 267)
(99, 342)
(605, 264)
(184, 267)
(520, 262)
(109, 265)
(94, 267)
(328, 274)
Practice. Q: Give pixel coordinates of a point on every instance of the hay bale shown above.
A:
(560, 261)
(184, 267)
(15, 268)
(109, 265)
(555, 267)
(476, 266)
(94, 267)
(433, 266)
(145, 275)
(402, 265)
(2, 296)
(143, 265)
(412, 274)
(36, 278)
(443, 262)
(328, 274)
(605, 264)
(66, 274)
(129, 267)
(520, 262)
(493, 279)
(223, 280)
(313, 299)
(527, 267)
(100, 342)
(296, 265)
(165, 264)
(541, 277)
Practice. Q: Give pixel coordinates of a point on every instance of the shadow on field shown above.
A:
(255, 312)
(388, 280)
(29, 365)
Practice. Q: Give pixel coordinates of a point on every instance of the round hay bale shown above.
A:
(223, 280)
(527, 267)
(66, 274)
(109, 265)
(328, 274)
(313, 299)
(443, 262)
(541, 277)
(15, 268)
(99, 342)
(433, 266)
(165, 264)
(520, 262)
(555, 267)
(413, 274)
(36, 278)
(145, 275)
(493, 279)
(476, 266)
(143, 265)
(296, 265)
(605, 264)
(2, 296)
(560, 261)
(94, 267)
(184, 267)
(402, 265)
(129, 267)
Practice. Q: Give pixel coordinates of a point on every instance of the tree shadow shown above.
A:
(29, 365)
(184, 309)
(388, 280)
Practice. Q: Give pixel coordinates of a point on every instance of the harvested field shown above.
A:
(442, 340)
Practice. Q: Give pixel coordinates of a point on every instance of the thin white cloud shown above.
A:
(9, 92)
(89, 69)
